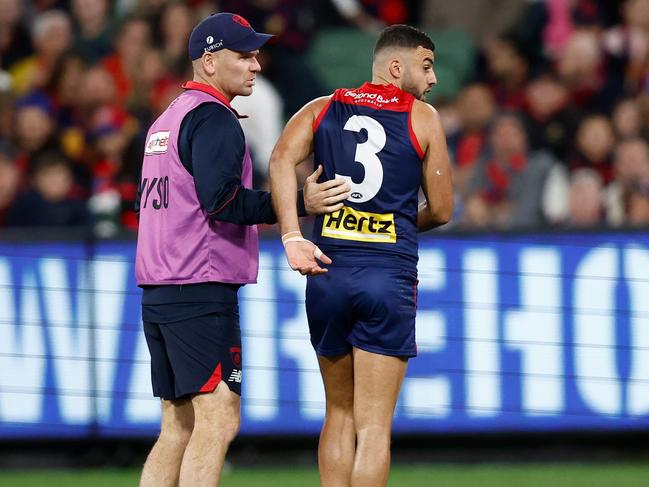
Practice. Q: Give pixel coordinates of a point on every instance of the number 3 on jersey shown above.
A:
(366, 154)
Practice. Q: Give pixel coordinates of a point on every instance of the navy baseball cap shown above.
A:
(224, 31)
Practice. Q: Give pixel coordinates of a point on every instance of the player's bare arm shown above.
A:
(293, 147)
(436, 179)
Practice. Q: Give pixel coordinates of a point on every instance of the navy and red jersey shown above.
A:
(365, 135)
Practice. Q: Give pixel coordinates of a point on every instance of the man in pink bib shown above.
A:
(197, 245)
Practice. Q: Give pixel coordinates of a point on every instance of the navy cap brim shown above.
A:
(250, 43)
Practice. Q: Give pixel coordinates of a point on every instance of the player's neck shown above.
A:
(379, 79)
(211, 82)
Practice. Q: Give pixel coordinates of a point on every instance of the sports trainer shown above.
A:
(197, 244)
(387, 143)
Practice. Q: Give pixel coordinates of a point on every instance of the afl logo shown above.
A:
(356, 195)
(241, 21)
(209, 39)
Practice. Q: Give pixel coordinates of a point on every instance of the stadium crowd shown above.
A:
(550, 130)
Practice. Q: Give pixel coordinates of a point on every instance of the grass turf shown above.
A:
(484, 475)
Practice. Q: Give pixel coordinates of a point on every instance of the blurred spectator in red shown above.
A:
(9, 179)
(35, 129)
(131, 46)
(51, 36)
(96, 90)
(507, 72)
(151, 72)
(152, 9)
(627, 119)
(581, 69)
(585, 199)
(176, 23)
(114, 186)
(37, 6)
(564, 17)
(476, 109)
(482, 20)
(93, 33)
(7, 113)
(64, 89)
(387, 12)
(594, 146)
(550, 119)
(164, 92)
(626, 194)
(15, 41)
(48, 201)
(627, 47)
(352, 12)
(638, 206)
(507, 186)
(284, 60)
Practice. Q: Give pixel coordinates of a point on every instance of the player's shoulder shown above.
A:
(426, 123)
(213, 112)
(316, 105)
(212, 120)
(424, 112)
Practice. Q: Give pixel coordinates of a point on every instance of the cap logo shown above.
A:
(241, 21)
(209, 39)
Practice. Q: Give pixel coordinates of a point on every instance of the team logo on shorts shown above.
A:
(235, 355)
(350, 224)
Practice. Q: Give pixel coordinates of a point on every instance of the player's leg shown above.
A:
(329, 312)
(216, 423)
(377, 381)
(383, 336)
(205, 355)
(338, 437)
(162, 466)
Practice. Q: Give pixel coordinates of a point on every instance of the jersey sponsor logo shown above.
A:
(350, 224)
(158, 143)
(373, 97)
(235, 376)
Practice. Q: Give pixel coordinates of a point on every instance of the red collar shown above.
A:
(380, 87)
(210, 90)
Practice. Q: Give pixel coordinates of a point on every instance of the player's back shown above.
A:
(365, 135)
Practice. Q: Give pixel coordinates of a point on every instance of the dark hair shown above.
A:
(48, 159)
(401, 35)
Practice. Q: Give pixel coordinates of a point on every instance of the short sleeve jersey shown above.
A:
(365, 135)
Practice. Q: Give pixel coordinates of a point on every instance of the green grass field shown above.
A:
(490, 475)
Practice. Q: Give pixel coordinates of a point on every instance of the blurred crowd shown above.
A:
(550, 130)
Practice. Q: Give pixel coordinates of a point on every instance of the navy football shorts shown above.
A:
(364, 307)
(192, 356)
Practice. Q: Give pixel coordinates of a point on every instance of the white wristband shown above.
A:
(293, 239)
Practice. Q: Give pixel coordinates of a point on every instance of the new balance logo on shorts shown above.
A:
(235, 376)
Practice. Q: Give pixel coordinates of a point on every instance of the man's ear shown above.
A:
(209, 63)
(396, 68)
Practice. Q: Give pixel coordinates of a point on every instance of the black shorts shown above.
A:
(192, 356)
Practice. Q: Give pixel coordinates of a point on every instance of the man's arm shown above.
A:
(436, 181)
(294, 146)
(212, 146)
